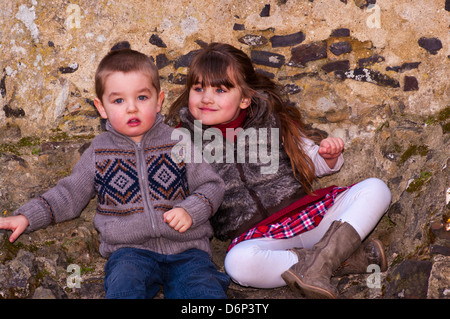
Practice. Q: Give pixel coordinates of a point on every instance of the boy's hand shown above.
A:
(330, 149)
(179, 219)
(17, 224)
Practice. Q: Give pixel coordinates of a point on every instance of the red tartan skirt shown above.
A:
(305, 214)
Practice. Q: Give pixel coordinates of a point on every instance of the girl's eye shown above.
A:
(197, 88)
(220, 90)
(118, 101)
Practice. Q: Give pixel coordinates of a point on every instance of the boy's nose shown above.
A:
(131, 107)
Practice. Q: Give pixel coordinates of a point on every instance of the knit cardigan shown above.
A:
(251, 196)
(135, 184)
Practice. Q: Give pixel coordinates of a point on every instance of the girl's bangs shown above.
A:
(211, 70)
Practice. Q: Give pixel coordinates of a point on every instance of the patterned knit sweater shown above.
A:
(135, 184)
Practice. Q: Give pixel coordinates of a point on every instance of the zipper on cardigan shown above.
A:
(144, 186)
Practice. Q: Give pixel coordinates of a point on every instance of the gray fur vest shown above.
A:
(256, 185)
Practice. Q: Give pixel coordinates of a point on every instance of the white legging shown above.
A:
(260, 262)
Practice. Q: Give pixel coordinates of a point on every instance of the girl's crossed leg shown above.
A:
(259, 262)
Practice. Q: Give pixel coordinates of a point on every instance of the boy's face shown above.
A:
(130, 103)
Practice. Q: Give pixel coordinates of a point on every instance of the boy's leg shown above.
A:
(193, 275)
(132, 274)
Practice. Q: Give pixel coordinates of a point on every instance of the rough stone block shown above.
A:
(287, 40)
(339, 48)
(432, 45)
(308, 52)
(266, 58)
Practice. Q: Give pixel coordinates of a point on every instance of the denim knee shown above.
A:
(129, 275)
(137, 274)
(193, 275)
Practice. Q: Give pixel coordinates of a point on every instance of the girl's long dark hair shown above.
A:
(220, 64)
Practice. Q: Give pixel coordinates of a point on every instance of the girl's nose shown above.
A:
(207, 96)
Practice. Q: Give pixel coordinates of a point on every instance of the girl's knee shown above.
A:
(239, 264)
(379, 188)
(375, 193)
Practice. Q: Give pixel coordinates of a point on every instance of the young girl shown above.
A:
(282, 232)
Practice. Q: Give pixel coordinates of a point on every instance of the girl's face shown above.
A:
(216, 105)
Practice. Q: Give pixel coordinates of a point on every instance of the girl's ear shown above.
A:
(100, 108)
(245, 102)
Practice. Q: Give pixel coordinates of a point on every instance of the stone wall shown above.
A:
(374, 72)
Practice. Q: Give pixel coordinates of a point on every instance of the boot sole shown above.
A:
(300, 288)
(383, 265)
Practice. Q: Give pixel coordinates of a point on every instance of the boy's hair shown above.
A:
(124, 60)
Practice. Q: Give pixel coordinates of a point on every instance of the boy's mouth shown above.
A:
(134, 122)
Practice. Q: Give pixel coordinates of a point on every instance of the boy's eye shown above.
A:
(142, 97)
(118, 101)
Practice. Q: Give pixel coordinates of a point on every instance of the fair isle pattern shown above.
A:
(116, 212)
(50, 209)
(162, 208)
(117, 181)
(207, 201)
(166, 178)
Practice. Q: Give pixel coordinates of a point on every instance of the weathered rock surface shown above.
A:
(374, 73)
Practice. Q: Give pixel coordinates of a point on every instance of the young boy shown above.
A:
(153, 210)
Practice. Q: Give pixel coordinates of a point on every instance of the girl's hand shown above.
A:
(17, 224)
(179, 219)
(330, 149)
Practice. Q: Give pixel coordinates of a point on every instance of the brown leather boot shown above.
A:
(369, 253)
(313, 276)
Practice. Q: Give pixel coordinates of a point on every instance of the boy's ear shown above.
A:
(100, 108)
(160, 100)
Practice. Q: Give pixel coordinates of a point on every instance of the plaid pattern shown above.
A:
(306, 219)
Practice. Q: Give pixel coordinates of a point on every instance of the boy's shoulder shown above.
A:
(167, 134)
(101, 139)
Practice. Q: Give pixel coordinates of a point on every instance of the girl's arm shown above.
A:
(330, 149)
(322, 165)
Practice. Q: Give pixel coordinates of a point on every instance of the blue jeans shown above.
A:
(133, 273)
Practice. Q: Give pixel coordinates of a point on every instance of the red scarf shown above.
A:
(236, 123)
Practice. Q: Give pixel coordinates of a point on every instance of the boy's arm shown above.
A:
(206, 192)
(64, 201)
(17, 224)
(179, 219)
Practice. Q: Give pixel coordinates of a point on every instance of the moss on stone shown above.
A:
(412, 150)
(416, 185)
